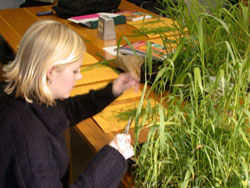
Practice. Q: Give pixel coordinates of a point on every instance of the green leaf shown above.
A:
(200, 34)
(149, 57)
(162, 129)
(197, 78)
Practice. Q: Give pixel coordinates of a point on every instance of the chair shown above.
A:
(6, 53)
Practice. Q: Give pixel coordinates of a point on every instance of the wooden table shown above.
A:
(14, 23)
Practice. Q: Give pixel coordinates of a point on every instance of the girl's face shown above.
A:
(62, 81)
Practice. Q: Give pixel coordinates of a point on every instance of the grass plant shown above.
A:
(200, 135)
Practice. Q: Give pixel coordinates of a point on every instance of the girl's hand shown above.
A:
(122, 143)
(123, 82)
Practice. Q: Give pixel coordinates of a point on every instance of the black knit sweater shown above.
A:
(33, 152)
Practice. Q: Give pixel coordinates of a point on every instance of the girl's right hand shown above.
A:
(122, 143)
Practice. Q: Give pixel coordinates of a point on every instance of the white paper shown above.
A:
(111, 50)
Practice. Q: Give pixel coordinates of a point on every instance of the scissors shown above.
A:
(128, 125)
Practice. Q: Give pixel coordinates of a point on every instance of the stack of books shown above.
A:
(132, 15)
(140, 47)
(91, 20)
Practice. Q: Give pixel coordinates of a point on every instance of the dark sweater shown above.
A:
(33, 152)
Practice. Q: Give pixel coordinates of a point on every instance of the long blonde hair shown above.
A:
(45, 44)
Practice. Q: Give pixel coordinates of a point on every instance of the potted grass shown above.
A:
(199, 132)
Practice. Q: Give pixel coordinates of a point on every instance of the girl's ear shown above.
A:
(51, 73)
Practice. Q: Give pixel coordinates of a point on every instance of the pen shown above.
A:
(44, 13)
(128, 125)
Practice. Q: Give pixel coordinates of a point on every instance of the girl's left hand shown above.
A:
(123, 82)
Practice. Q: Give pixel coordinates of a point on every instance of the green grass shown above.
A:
(199, 136)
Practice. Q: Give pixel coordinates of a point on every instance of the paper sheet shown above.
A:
(128, 94)
(159, 40)
(108, 120)
(97, 74)
(111, 50)
(88, 59)
(154, 23)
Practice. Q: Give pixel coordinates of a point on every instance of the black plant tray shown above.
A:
(155, 69)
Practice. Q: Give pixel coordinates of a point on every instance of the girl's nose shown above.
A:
(78, 76)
